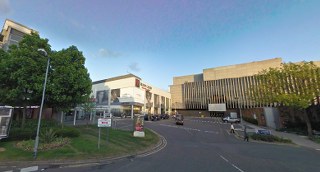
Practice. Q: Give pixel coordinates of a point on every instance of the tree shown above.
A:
(22, 73)
(69, 83)
(293, 84)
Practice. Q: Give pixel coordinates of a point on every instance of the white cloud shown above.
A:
(4, 7)
(134, 67)
(108, 53)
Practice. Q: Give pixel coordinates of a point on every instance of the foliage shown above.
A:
(32, 124)
(22, 71)
(250, 120)
(70, 83)
(67, 132)
(294, 84)
(48, 136)
(270, 138)
(21, 134)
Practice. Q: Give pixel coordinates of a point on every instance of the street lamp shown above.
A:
(239, 105)
(36, 143)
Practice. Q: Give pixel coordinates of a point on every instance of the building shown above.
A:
(227, 85)
(12, 32)
(128, 95)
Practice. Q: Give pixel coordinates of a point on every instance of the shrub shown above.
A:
(270, 138)
(48, 136)
(250, 120)
(68, 132)
(21, 134)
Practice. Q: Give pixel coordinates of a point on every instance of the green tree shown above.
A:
(293, 84)
(69, 81)
(23, 68)
(22, 73)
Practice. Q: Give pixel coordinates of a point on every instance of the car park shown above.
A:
(164, 116)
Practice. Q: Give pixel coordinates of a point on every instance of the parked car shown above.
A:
(146, 117)
(155, 117)
(179, 119)
(164, 116)
(231, 120)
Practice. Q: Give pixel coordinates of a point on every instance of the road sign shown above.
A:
(104, 122)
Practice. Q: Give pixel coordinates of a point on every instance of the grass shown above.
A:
(85, 146)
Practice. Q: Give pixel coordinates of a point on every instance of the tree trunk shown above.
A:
(62, 118)
(307, 120)
(24, 112)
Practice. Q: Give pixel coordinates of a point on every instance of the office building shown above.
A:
(12, 32)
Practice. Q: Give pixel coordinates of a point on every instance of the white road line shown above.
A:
(8, 171)
(318, 149)
(237, 168)
(231, 163)
(224, 158)
(29, 169)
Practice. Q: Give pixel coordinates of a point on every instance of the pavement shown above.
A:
(299, 140)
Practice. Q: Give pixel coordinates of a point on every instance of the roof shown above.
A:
(116, 78)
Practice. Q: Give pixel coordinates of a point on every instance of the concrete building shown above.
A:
(229, 86)
(13, 32)
(127, 95)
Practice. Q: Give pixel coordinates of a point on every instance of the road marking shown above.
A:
(237, 168)
(224, 158)
(318, 149)
(29, 169)
(231, 163)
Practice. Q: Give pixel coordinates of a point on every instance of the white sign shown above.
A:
(104, 122)
(217, 107)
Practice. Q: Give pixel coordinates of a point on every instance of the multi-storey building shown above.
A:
(128, 95)
(12, 32)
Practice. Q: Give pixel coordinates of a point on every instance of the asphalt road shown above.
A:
(205, 144)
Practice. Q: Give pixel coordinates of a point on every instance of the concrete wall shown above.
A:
(239, 70)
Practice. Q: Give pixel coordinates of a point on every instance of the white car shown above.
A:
(231, 120)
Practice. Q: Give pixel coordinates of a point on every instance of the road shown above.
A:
(205, 144)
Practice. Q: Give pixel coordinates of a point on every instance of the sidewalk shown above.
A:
(297, 139)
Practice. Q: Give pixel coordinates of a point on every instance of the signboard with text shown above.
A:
(217, 107)
(104, 122)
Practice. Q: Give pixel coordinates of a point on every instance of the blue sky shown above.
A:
(159, 39)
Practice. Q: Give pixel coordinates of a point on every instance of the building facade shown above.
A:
(12, 33)
(128, 95)
(227, 85)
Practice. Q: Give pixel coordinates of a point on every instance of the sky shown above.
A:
(160, 39)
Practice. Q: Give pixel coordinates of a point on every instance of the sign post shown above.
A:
(104, 122)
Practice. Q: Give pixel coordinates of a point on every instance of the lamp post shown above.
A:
(36, 143)
(239, 105)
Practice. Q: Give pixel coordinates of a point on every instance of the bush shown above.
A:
(21, 134)
(48, 136)
(250, 120)
(67, 132)
(270, 138)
